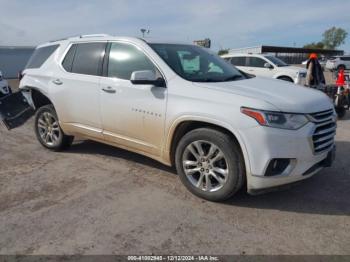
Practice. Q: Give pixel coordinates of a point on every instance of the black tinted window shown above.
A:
(68, 60)
(238, 61)
(125, 59)
(255, 62)
(88, 58)
(40, 55)
(345, 58)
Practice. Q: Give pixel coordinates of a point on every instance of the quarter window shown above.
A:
(68, 60)
(124, 59)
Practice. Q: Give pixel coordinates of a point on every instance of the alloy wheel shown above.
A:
(205, 165)
(49, 129)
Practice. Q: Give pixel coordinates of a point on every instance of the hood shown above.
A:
(285, 96)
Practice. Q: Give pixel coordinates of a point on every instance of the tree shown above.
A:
(223, 51)
(313, 45)
(334, 37)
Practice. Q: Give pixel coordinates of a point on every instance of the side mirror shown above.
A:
(268, 65)
(146, 77)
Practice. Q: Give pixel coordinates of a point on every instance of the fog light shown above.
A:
(277, 166)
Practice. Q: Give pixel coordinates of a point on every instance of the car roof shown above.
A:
(241, 54)
(105, 37)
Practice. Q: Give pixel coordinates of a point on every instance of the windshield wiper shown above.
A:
(207, 80)
(232, 78)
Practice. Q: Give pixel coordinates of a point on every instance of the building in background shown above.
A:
(204, 43)
(290, 55)
(13, 59)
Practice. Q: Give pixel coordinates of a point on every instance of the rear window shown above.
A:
(40, 55)
(238, 61)
(87, 58)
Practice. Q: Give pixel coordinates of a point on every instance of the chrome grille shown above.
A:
(323, 136)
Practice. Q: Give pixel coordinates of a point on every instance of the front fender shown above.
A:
(216, 122)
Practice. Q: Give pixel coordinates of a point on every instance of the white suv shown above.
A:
(267, 66)
(183, 106)
(338, 62)
(4, 86)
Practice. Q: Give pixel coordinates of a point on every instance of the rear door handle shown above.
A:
(57, 82)
(109, 89)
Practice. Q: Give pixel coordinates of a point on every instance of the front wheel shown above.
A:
(48, 130)
(210, 164)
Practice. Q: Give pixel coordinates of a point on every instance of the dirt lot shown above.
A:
(96, 199)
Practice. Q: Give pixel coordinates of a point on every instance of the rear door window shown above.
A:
(238, 61)
(255, 62)
(40, 55)
(88, 58)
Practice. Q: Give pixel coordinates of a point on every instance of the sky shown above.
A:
(228, 23)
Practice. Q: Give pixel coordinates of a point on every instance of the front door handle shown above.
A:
(109, 89)
(57, 82)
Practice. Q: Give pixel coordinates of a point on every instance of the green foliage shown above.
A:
(223, 52)
(334, 37)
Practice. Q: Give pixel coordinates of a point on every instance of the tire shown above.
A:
(48, 131)
(286, 78)
(341, 67)
(341, 111)
(226, 175)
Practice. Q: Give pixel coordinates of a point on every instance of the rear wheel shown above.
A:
(210, 164)
(48, 130)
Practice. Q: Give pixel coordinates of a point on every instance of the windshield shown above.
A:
(195, 64)
(278, 62)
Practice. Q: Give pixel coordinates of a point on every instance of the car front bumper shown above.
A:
(300, 80)
(266, 144)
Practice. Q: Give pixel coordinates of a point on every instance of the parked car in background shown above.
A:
(267, 66)
(183, 106)
(4, 86)
(338, 62)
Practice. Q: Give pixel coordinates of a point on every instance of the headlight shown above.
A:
(276, 119)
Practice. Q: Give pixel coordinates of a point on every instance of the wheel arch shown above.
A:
(285, 76)
(36, 97)
(185, 125)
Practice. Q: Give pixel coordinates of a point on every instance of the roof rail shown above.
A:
(79, 36)
(94, 35)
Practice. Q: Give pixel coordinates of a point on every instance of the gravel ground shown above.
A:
(96, 199)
